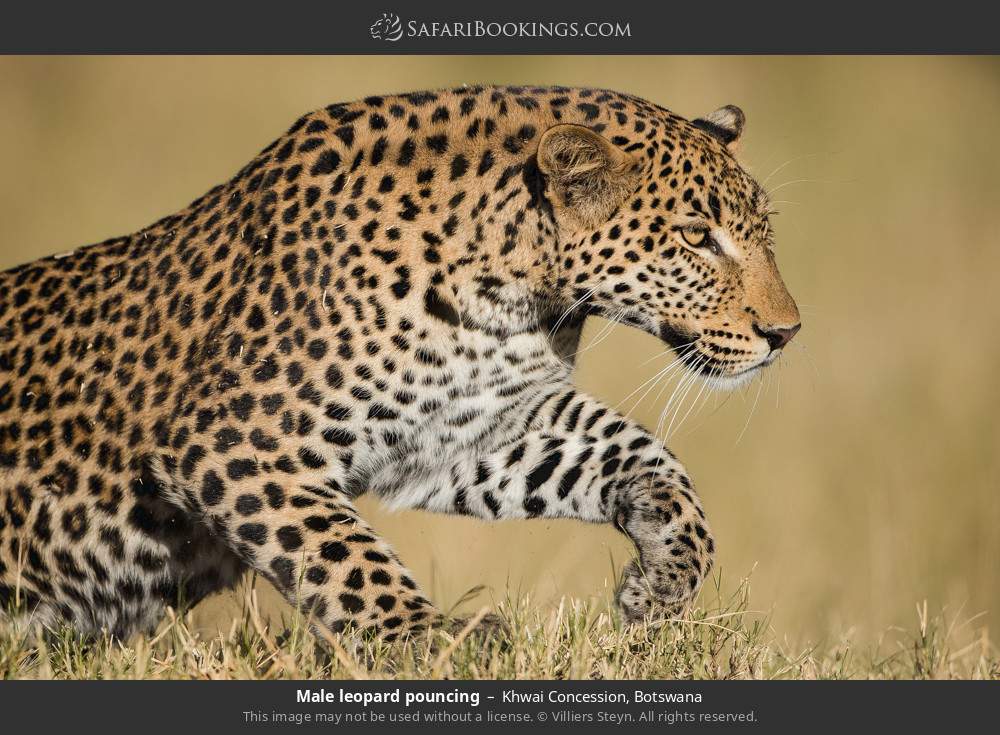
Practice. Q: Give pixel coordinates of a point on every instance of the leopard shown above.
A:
(387, 300)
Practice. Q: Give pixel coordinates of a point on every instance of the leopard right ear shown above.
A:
(725, 125)
(587, 177)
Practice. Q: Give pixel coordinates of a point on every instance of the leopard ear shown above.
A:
(725, 124)
(588, 177)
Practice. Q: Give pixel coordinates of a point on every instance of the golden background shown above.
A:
(866, 479)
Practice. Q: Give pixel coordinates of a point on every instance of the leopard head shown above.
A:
(664, 230)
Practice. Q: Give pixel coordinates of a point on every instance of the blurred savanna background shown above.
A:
(856, 479)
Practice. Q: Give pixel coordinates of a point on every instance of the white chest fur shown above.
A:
(478, 398)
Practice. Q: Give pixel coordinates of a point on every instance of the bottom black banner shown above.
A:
(371, 706)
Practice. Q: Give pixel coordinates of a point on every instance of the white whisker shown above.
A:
(760, 385)
(602, 335)
(575, 305)
(787, 163)
(674, 364)
(704, 385)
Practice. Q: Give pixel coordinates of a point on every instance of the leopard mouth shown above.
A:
(677, 339)
(718, 373)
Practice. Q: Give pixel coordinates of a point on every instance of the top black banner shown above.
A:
(508, 27)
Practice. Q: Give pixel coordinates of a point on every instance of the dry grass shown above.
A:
(577, 640)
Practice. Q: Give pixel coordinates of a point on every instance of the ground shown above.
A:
(576, 640)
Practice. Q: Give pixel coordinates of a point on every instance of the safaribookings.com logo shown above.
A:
(387, 28)
(390, 28)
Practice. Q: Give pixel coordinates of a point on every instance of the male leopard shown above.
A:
(387, 299)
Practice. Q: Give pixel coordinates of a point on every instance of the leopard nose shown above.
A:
(777, 337)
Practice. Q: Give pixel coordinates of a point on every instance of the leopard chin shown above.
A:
(726, 382)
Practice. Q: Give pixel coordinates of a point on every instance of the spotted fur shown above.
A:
(387, 299)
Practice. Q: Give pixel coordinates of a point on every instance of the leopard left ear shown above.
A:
(588, 177)
(725, 124)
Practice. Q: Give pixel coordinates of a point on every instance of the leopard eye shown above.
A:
(694, 238)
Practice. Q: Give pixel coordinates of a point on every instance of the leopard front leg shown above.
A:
(306, 537)
(664, 518)
(329, 562)
(580, 459)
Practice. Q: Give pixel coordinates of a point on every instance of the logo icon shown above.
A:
(387, 28)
